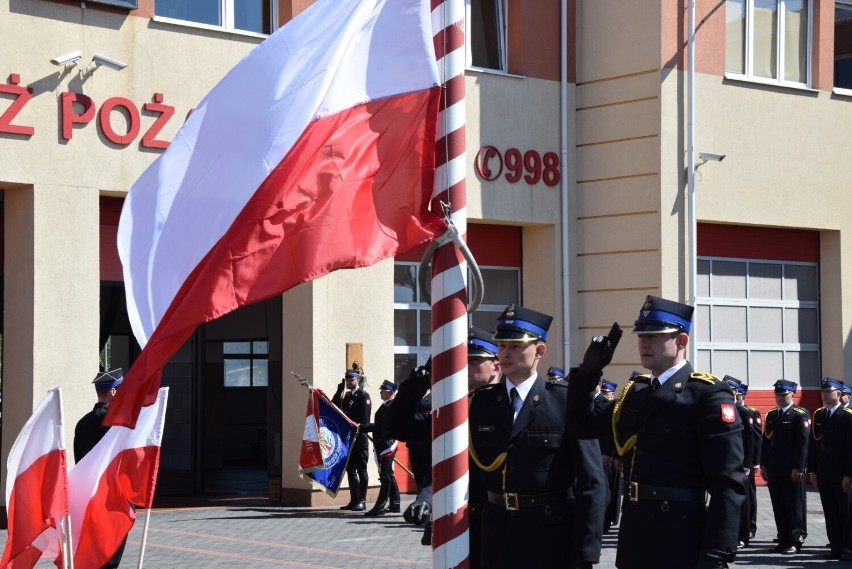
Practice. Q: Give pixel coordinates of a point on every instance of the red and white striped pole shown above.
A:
(450, 542)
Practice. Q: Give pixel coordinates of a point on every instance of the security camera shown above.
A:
(67, 60)
(98, 60)
(707, 156)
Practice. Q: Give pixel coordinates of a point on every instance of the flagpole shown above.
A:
(68, 556)
(450, 547)
(144, 538)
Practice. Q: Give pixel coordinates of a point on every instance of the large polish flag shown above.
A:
(314, 153)
(36, 485)
(121, 469)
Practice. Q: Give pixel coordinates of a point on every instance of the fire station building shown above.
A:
(581, 115)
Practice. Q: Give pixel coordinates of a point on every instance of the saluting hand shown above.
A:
(796, 475)
(600, 351)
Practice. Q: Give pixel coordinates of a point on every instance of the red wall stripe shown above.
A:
(491, 245)
(750, 242)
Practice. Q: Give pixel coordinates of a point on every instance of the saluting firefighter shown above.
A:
(679, 437)
(783, 457)
(356, 405)
(751, 453)
(830, 463)
(522, 462)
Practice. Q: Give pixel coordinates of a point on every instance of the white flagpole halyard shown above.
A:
(450, 547)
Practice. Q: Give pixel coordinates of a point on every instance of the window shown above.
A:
(413, 316)
(486, 41)
(244, 15)
(246, 363)
(758, 320)
(843, 44)
(769, 40)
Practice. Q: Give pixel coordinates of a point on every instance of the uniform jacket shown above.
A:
(686, 435)
(757, 429)
(381, 440)
(785, 441)
(355, 404)
(830, 448)
(89, 431)
(540, 458)
(750, 441)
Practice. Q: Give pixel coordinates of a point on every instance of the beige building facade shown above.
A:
(581, 222)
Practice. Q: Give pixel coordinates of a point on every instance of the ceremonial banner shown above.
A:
(310, 457)
(336, 434)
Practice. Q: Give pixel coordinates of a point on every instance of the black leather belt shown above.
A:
(513, 501)
(638, 492)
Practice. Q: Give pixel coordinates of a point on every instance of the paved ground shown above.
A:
(252, 534)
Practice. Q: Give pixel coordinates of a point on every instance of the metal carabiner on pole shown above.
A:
(424, 276)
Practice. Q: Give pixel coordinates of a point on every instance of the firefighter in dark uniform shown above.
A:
(783, 458)
(483, 369)
(609, 459)
(356, 405)
(385, 448)
(90, 430)
(522, 461)
(751, 450)
(555, 374)
(830, 464)
(751, 480)
(679, 436)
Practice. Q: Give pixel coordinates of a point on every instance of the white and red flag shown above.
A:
(36, 486)
(316, 152)
(121, 469)
(311, 455)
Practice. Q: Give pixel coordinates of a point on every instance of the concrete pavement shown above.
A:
(254, 534)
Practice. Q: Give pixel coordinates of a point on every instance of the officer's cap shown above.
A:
(830, 384)
(608, 385)
(107, 380)
(387, 386)
(519, 324)
(786, 386)
(661, 316)
(352, 374)
(555, 372)
(846, 390)
(736, 384)
(480, 344)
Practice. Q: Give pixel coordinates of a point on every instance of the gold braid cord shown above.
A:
(498, 462)
(616, 415)
(813, 431)
(766, 432)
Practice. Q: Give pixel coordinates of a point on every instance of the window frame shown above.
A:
(502, 37)
(748, 48)
(422, 353)
(226, 10)
(251, 356)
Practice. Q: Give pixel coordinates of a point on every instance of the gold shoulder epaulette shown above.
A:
(641, 378)
(799, 410)
(705, 377)
(847, 410)
(752, 408)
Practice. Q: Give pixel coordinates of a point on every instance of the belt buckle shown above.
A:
(511, 501)
(634, 491)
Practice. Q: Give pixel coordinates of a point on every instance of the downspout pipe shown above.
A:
(690, 169)
(563, 143)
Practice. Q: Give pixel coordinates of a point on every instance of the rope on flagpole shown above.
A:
(451, 235)
(450, 546)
